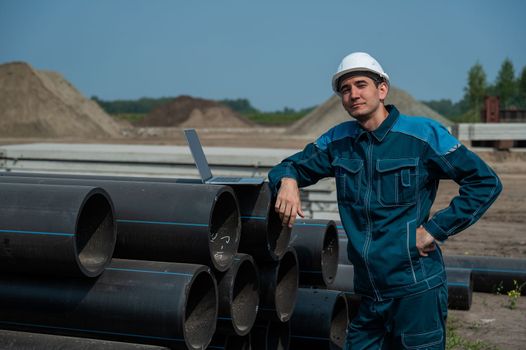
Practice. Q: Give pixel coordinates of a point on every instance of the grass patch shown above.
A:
(455, 342)
(275, 118)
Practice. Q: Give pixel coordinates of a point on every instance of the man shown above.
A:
(387, 168)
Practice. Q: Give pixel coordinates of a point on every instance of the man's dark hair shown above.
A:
(377, 79)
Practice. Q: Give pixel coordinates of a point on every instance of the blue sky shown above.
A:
(275, 53)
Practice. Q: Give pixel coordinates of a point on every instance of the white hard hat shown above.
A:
(357, 62)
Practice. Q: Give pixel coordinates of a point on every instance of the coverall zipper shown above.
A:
(367, 211)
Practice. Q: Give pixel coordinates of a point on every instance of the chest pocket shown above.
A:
(397, 181)
(348, 173)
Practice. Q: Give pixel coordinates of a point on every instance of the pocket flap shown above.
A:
(392, 164)
(422, 340)
(352, 165)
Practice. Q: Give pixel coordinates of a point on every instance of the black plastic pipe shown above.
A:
(270, 335)
(319, 320)
(344, 280)
(13, 340)
(460, 288)
(261, 226)
(191, 223)
(262, 236)
(230, 342)
(167, 304)
(343, 257)
(238, 290)
(492, 274)
(279, 287)
(316, 243)
(58, 230)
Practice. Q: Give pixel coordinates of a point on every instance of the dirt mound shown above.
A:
(331, 113)
(43, 104)
(191, 112)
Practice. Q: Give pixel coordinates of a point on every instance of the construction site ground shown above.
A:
(500, 232)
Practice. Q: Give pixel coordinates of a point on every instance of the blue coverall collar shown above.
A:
(380, 132)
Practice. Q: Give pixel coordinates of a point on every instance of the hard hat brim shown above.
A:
(336, 77)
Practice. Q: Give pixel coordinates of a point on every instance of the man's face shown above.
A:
(361, 98)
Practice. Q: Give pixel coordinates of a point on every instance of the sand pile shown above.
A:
(190, 112)
(331, 113)
(43, 104)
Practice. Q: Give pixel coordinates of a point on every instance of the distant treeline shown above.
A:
(510, 89)
(141, 106)
(137, 109)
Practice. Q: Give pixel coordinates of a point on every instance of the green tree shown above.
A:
(476, 89)
(505, 84)
(521, 87)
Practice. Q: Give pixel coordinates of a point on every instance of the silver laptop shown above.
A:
(204, 168)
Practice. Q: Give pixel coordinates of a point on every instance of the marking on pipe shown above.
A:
(253, 218)
(224, 318)
(39, 233)
(160, 223)
(90, 330)
(313, 225)
(149, 271)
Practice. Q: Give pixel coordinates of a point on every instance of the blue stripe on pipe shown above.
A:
(224, 318)
(457, 284)
(253, 217)
(39, 233)
(339, 227)
(149, 271)
(161, 223)
(305, 337)
(480, 269)
(90, 330)
(215, 347)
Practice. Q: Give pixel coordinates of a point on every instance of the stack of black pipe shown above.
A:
(194, 265)
(321, 316)
(160, 289)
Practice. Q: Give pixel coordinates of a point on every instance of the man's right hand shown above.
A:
(288, 203)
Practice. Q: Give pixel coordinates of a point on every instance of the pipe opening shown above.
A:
(225, 226)
(200, 312)
(286, 286)
(278, 236)
(245, 297)
(339, 321)
(95, 234)
(329, 254)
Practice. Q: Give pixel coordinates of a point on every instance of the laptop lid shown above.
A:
(198, 154)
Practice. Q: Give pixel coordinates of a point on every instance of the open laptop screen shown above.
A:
(198, 154)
